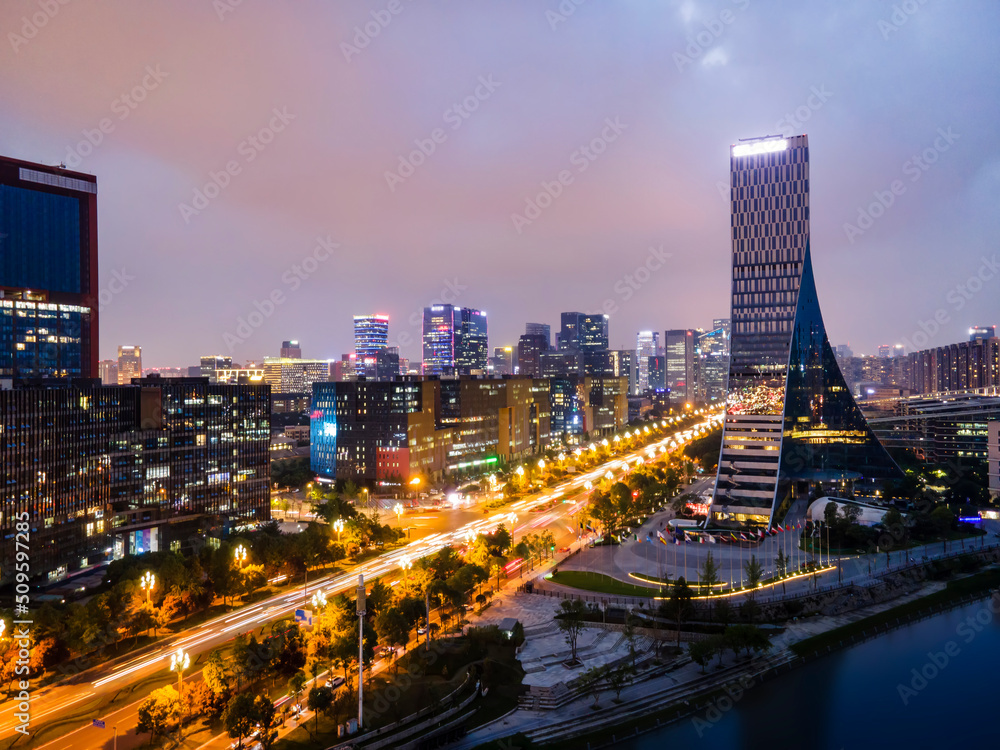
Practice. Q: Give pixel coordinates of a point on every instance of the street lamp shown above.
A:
(405, 564)
(319, 601)
(338, 526)
(398, 510)
(365, 490)
(148, 583)
(179, 661)
(541, 464)
(241, 555)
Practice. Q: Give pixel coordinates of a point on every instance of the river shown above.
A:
(852, 699)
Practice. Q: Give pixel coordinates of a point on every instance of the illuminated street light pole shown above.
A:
(405, 563)
(241, 555)
(148, 583)
(179, 661)
(338, 526)
(361, 649)
(398, 510)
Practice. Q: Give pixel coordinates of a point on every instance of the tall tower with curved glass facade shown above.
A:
(791, 420)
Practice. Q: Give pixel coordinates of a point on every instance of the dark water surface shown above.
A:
(852, 699)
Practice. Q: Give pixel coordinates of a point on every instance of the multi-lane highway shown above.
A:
(554, 509)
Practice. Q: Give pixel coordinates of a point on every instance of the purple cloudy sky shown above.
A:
(872, 87)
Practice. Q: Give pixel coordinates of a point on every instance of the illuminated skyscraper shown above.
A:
(679, 346)
(455, 340)
(371, 335)
(291, 350)
(646, 345)
(791, 422)
(48, 272)
(129, 364)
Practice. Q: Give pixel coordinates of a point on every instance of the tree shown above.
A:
(618, 677)
(755, 572)
(830, 513)
(708, 576)
(217, 675)
(723, 611)
(240, 717)
(570, 616)
(701, 652)
(631, 634)
(942, 518)
(780, 563)
(155, 712)
(392, 628)
(296, 684)
(678, 606)
(591, 682)
(320, 699)
(266, 718)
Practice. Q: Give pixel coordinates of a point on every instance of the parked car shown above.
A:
(335, 682)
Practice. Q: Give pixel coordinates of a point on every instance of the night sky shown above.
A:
(634, 104)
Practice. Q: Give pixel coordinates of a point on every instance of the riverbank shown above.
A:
(653, 705)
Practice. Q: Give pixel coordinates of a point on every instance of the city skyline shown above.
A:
(310, 187)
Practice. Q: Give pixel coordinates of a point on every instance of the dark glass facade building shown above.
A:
(455, 340)
(791, 420)
(48, 272)
(104, 471)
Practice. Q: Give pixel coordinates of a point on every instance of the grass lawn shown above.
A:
(600, 583)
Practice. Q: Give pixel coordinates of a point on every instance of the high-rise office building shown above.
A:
(212, 363)
(129, 364)
(472, 341)
(48, 272)
(569, 330)
(387, 363)
(656, 370)
(529, 350)
(646, 345)
(439, 340)
(371, 335)
(503, 360)
(455, 340)
(290, 350)
(594, 337)
(679, 346)
(540, 329)
(107, 371)
(791, 422)
(159, 465)
(884, 351)
(712, 352)
(979, 333)
(623, 365)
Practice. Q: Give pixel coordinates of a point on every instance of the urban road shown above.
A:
(554, 509)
